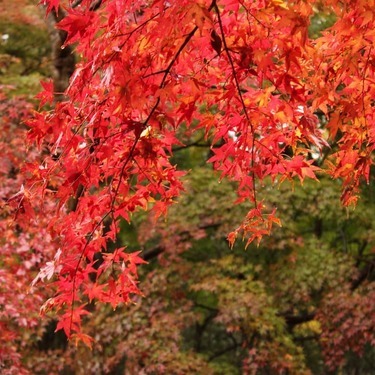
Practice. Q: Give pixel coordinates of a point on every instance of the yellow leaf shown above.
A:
(279, 3)
(146, 132)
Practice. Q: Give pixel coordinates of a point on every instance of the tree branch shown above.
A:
(223, 351)
(364, 275)
(63, 58)
(240, 96)
(293, 320)
(157, 250)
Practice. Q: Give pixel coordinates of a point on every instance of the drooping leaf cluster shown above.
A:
(146, 69)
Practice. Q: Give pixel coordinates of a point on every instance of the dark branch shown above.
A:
(63, 58)
(306, 338)
(364, 275)
(95, 5)
(293, 320)
(76, 3)
(152, 253)
(223, 351)
(157, 250)
(213, 309)
(200, 328)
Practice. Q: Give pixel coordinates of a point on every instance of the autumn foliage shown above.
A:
(274, 104)
(246, 73)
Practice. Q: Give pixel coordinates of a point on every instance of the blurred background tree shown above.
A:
(25, 48)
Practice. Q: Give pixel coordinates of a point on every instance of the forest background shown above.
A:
(299, 302)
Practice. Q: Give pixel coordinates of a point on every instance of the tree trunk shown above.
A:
(62, 57)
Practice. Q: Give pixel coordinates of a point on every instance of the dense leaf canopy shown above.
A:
(236, 103)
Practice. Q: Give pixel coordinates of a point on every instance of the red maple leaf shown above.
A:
(47, 95)
(50, 4)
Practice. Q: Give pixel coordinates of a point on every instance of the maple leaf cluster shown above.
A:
(26, 242)
(352, 315)
(245, 72)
